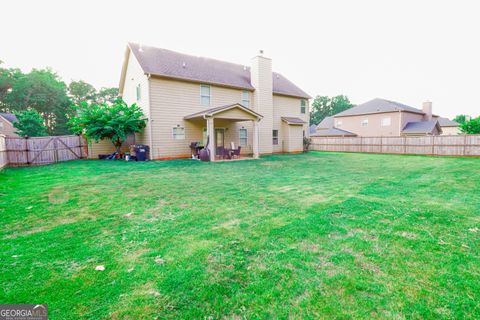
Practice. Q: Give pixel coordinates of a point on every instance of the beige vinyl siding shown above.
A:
(171, 101)
(284, 106)
(7, 128)
(450, 131)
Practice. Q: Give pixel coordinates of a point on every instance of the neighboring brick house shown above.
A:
(187, 99)
(380, 117)
(6, 124)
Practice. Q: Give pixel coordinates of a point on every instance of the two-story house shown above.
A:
(380, 117)
(194, 99)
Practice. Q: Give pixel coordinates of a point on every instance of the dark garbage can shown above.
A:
(141, 152)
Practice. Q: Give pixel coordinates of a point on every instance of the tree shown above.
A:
(113, 122)
(7, 79)
(43, 91)
(461, 118)
(81, 91)
(324, 106)
(30, 124)
(471, 127)
(106, 95)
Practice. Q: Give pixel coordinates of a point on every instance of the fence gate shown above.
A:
(44, 150)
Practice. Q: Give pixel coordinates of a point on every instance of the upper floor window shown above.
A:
(178, 133)
(303, 106)
(339, 123)
(275, 137)
(364, 122)
(386, 122)
(205, 95)
(243, 137)
(139, 92)
(246, 98)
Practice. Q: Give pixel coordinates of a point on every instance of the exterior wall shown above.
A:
(294, 138)
(284, 106)
(374, 127)
(450, 131)
(134, 76)
(261, 78)
(7, 128)
(172, 100)
(106, 147)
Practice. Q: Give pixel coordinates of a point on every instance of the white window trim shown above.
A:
(209, 96)
(240, 137)
(364, 123)
(173, 133)
(278, 137)
(306, 104)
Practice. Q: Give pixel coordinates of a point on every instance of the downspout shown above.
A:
(150, 132)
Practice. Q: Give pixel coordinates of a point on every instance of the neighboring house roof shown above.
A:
(9, 117)
(444, 122)
(334, 132)
(326, 123)
(415, 127)
(377, 106)
(312, 128)
(213, 111)
(167, 63)
(293, 120)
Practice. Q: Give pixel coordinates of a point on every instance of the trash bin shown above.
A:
(141, 152)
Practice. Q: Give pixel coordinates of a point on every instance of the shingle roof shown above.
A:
(312, 128)
(326, 123)
(420, 126)
(167, 63)
(293, 120)
(444, 122)
(9, 117)
(376, 106)
(334, 132)
(212, 111)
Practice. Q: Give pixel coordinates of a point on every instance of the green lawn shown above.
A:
(318, 235)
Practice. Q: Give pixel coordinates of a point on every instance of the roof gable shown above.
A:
(378, 106)
(421, 127)
(222, 109)
(171, 64)
(444, 122)
(9, 117)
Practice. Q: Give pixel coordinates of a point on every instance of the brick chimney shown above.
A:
(261, 80)
(427, 109)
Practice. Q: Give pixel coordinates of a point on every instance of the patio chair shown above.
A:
(220, 152)
(236, 152)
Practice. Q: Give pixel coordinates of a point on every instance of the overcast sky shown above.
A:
(406, 51)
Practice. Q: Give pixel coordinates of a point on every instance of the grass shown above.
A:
(319, 235)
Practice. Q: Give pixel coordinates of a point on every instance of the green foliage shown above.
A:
(471, 127)
(41, 90)
(113, 122)
(81, 91)
(106, 95)
(30, 124)
(324, 106)
(461, 118)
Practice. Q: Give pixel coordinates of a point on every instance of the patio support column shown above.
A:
(255, 139)
(211, 138)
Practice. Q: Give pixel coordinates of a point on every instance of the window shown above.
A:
(243, 137)
(275, 137)
(178, 133)
(246, 98)
(303, 106)
(364, 122)
(386, 122)
(339, 123)
(205, 95)
(139, 92)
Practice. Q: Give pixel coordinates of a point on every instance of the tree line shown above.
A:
(43, 102)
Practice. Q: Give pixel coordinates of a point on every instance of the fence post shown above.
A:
(26, 150)
(80, 145)
(404, 144)
(55, 150)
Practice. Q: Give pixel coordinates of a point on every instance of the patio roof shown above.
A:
(293, 120)
(213, 111)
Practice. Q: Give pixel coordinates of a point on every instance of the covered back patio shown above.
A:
(225, 127)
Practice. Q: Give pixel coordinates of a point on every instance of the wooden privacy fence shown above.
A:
(3, 151)
(43, 150)
(459, 145)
